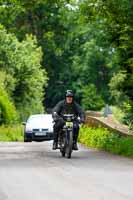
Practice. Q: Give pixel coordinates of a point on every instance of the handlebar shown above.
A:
(67, 117)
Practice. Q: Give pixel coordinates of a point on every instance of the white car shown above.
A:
(38, 128)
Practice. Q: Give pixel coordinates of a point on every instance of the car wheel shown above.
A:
(27, 139)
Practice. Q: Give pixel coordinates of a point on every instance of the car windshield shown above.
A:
(40, 119)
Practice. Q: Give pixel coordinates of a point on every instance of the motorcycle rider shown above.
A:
(67, 106)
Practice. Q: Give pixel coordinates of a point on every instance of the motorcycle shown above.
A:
(65, 139)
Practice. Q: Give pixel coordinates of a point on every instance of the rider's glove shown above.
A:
(55, 116)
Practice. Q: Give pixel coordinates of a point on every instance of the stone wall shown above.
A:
(94, 119)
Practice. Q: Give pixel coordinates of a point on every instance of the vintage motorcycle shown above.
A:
(65, 139)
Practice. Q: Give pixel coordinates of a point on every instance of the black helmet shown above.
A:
(69, 93)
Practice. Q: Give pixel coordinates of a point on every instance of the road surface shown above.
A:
(34, 172)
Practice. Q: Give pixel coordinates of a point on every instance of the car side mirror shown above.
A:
(24, 123)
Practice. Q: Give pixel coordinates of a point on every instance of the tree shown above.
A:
(90, 99)
(22, 62)
(8, 113)
(84, 43)
(116, 17)
(50, 22)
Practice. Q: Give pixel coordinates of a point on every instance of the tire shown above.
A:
(62, 145)
(63, 153)
(26, 139)
(69, 144)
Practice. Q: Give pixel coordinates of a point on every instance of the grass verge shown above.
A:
(11, 133)
(103, 139)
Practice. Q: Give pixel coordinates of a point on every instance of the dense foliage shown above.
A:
(8, 112)
(11, 133)
(86, 46)
(22, 78)
(103, 139)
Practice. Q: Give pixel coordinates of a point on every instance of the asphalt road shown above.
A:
(35, 172)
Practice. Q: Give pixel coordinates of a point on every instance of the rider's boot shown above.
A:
(55, 142)
(55, 145)
(75, 146)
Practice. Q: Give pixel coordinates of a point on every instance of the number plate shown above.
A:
(41, 134)
(70, 124)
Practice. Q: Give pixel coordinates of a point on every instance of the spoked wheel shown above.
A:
(69, 144)
(62, 146)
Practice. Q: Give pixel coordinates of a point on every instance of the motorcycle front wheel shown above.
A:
(62, 146)
(63, 153)
(69, 144)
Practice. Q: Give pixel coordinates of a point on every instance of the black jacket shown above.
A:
(63, 108)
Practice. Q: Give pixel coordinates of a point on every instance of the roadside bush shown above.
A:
(8, 113)
(124, 116)
(117, 113)
(128, 117)
(11, 133)
(103, 139)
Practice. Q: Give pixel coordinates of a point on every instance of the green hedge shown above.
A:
(103, 139)
(11, 133)
(8, 113)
